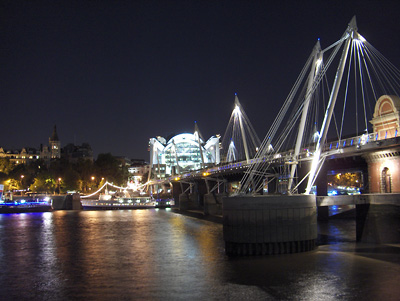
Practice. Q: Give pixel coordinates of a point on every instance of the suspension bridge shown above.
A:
(318, 121)
(326, 115)
(342, 114)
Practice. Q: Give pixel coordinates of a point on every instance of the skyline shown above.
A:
(116, 73)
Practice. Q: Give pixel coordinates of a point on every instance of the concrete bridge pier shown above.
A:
(216, 191)
(378, 221)
(267, 224)
(192, 196)
(377, 215)
(67, 202)
(176, 190)
(188, 201)
(213, 203)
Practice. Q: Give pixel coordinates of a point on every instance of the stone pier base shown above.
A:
(243, 249)
(259, 225)
(213, 203)
(189, 201)
(378, 223)
(67, 202)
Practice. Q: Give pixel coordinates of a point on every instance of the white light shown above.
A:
(361, 38)
(316, 136)
(236, 110)
(318, 63)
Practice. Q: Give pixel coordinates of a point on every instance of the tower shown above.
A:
(55, 145)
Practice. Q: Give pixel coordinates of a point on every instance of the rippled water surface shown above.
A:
(161, 255)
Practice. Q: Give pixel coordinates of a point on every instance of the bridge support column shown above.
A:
(273, 186)
(322, 190)
(176, 192)
(189, 201)
(259, 225)
(213, 203)
(322, 182)
(67, 202)
(323, 213)
(378, 223)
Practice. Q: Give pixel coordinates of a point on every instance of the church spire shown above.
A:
(54, 136)
(55, 145)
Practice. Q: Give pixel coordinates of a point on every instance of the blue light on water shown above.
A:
(332, 192)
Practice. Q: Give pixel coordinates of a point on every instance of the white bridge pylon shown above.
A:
(296, 129)
(240, 141)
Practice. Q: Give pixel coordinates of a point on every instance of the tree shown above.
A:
(108, 167)
(70, 181)
(87, 175)
(43, 183)
(5, 165)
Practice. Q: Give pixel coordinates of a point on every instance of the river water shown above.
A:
(162, 255)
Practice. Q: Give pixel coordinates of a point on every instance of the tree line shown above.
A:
(61, 176)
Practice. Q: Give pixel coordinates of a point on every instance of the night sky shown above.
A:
(116, 73)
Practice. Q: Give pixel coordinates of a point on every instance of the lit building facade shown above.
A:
(182, 153)
(137, 170)
(49, 152)
(384, 166)
(29, 154)
(22, 156)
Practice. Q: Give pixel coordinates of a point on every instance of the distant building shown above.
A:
(182, 153)
(23, 156)
(73, 153)
(49, 152)
(55, 145)
(137, 171)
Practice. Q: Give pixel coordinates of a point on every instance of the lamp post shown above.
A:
(59, 185)
(93, 183)
(22, 184)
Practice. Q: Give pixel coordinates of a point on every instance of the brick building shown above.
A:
(384, 166)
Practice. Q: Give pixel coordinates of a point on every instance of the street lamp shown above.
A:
(22, 187)
(92, 184)
(59, 185)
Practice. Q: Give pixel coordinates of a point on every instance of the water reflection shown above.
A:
(158, 254)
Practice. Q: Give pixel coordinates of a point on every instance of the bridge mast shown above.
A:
(197, 136)
(239, 113)
(349, 34)
(315, 67)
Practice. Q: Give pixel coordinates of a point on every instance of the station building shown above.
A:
(182, 153)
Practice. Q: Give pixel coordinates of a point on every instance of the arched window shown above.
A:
(386, 181)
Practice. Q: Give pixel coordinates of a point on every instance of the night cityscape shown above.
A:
(192, 150)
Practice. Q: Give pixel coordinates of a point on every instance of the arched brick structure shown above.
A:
(384, 166)
(386, 118)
